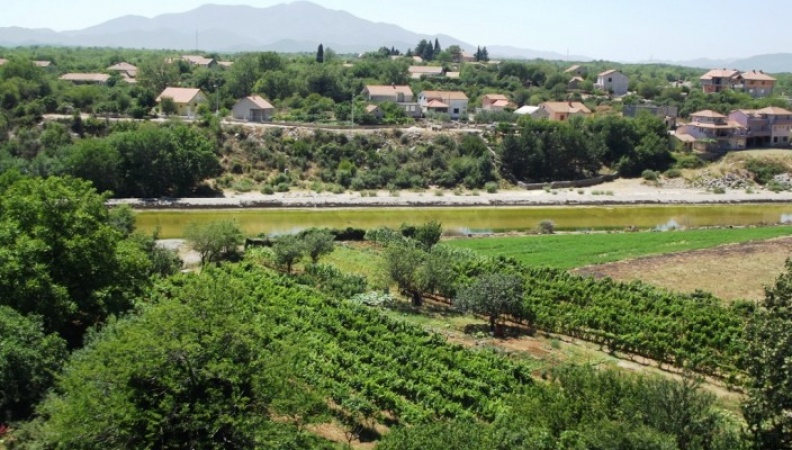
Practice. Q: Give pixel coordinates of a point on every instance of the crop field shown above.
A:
(579, 250)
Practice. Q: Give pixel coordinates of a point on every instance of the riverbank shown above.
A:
(619, 192)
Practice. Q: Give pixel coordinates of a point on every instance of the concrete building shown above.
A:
(614, 82)
(253, 109)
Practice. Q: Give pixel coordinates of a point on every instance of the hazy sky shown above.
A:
(623, 30)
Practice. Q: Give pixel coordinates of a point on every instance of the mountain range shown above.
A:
(299, 26)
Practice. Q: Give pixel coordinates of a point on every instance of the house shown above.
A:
(533, 111)
(766, 127)
(562, 111)
(453, 103)
(758, 84)
(388, 93)
(575, 84)
(711, 131)
(613, 81)
(668, 114)
(453, 75)
(253, 109)
(42, 63)
(124, 67)
(717, 80)
(577, 70)
(374, 111)
(199, 61)
(467, 57)
(187, 100)
(496, 102)
(225, 64)
(418, 72)
(128, 71)
(86, 78)
(401, 95)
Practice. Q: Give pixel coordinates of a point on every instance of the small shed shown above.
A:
(253, 109)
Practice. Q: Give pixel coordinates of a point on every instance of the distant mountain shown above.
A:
(508, 52)
(298, 26)
(770, 63)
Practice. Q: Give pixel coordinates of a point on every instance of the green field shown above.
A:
(577, 250)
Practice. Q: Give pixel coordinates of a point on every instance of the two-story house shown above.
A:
(765, 127)
(713, 132)
(401, 95)
(717, 80)
(453, 103)
(758, 84)
(562, 111)
(613, 81)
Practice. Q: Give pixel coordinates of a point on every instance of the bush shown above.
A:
(215, 240)
(673, 173)
(764, 170)
(491, 187)
(282, 187)
(649, 175)
(267, 190)
(546, 227)
(349, 234)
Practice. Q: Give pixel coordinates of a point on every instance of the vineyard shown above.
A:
(374, 365)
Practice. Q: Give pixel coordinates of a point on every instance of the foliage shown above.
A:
(287, 251)
(767, 352)
(29, 360)
(195, 370)
(62, 259)
(546, 227)
(428, 234)
(764, 170)
(493, 295)
(317, 242)
(214, 240)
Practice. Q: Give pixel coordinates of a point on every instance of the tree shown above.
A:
(214, 240)
(156, 73)
(404, 266)
(197, 369)
(287, 251)
(320, 56)
(428, 234)
(768, 410)
(61, 258)
(436, 50)
(168, 106)
(29, 360)
(492, 295)
(318, 242)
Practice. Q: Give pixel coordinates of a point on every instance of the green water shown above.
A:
(253, 221)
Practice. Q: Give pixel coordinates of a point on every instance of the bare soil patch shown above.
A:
(730, 272)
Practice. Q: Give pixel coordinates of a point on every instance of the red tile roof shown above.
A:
(385, 90)
(260, 102)
(179, 95)
(445, 95)
(708, 113)
(566, 107)
(86, 77)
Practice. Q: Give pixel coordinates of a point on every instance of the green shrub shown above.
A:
(688, 161)
(267, 190)
(764, 170)
(491, 187)
(718, 190)
(673, 173)
(282, 187)
(546, 227)
(649, 175)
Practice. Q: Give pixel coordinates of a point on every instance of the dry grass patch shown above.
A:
(731, 272)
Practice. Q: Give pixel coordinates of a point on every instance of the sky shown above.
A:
(618, 30)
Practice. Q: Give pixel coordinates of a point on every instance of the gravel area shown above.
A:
(619, 192)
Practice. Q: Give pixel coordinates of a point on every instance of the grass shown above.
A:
(578, 250)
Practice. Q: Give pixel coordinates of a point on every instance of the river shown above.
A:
(171, 223)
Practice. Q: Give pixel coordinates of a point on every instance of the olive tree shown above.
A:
(492, 295)
(214, 240)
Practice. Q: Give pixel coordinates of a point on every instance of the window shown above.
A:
(456, 110)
